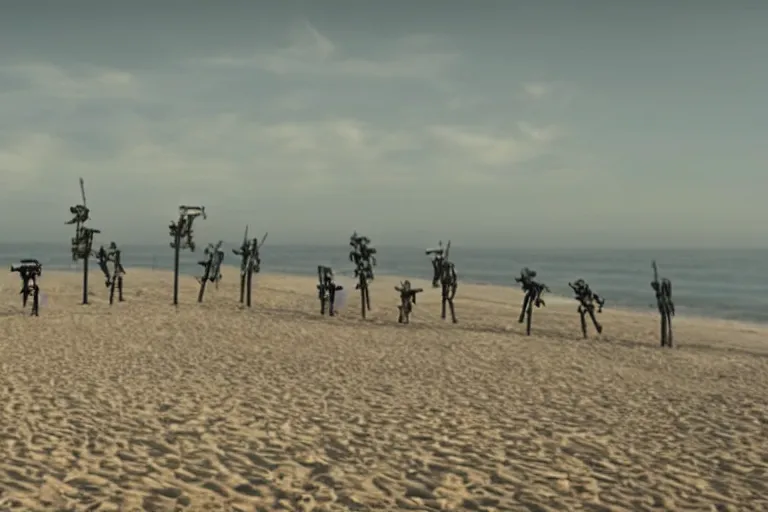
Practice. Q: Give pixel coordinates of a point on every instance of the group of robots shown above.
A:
(445, 277)
(182, 234)
(30, 270)
(361, 254)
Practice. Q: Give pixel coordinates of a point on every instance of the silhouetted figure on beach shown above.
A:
(587, 300)
(439, 254)
(182, 233)
(114, 277)
(29, 270)
(103, 260)
(449, 282)
(82, 242)
(80, 215)
(663, 291)
(407, 300)
(533, 291)
(211, 267)
(363, 256)
(444, 276)
(250, 263)
(326, 289)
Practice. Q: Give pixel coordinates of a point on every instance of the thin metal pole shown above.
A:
(249, 285)
(85, 268)
(177, 243)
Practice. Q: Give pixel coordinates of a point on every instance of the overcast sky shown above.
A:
(503, 123)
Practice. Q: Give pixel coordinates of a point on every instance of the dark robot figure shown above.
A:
(182, 233)
(444, 275)
(82, 242)
(211, 267)
(326, 289)
(449, 281)
(218, 260)
(250, 263)
(664, 302)
(29, 270)
(80, 215)
(533, 291)
(407, 300)
(181, 230)
(103, 259)
(587, 300)
(363, 256)
(439, 254)
(113, 279)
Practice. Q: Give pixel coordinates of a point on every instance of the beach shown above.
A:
(143, 406)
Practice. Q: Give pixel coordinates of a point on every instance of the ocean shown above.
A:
(727, 284)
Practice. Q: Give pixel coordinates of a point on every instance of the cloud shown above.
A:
(81, 83)
(537, 90)
(481, 148)
(24, 157)
(342, 138)
(302, 127)
(544, 135)
(198, 131)
(300, 158)
(312, 53)
(304, 156)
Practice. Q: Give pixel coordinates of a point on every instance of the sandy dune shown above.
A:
(210, 407)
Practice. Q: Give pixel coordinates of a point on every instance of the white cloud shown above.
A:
(149, 137)
(544, 135)
(537, 90)
(25, 157)
(86, 83)
(311, 52)
(301, 157)
(347, 139)
(291, 131)
(304, 156)
(482, 148)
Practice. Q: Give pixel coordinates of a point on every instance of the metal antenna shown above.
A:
(82, 191)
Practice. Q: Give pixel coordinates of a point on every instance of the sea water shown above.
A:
(729, 283)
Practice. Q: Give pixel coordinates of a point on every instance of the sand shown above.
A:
(141, 406)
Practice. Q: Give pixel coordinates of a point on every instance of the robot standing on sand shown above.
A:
(113, 278)
(407, 300)
(587, 300)
(444, 275)
(250, 264)
(663, 291)
(533, 290)
(214, 257)
(326, 289)
(29, 270)
(82, 242)
(364, 258)
(182, 234)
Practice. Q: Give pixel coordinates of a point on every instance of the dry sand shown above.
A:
(209, 407)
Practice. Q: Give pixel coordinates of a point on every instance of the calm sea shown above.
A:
(729, 284)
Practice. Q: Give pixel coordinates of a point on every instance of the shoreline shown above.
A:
(550, 298)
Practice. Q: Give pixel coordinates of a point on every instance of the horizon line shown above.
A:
(524, 248)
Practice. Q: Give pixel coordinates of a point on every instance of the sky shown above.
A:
(492, 123)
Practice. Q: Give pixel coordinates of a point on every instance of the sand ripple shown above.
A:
(140, 407)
